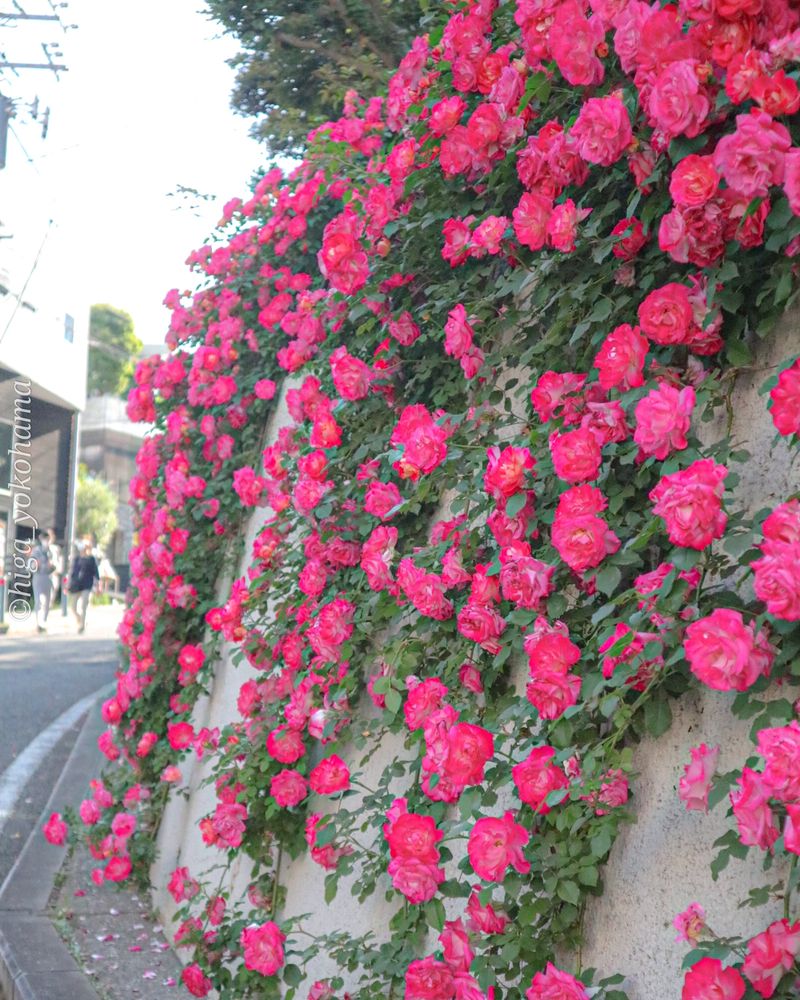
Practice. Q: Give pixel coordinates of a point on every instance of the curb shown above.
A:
(34, 962)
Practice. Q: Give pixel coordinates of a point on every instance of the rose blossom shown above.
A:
(690, 501)
(690, 924)
(536, 776)
(198, 984)
(724, 653)
(553, 984)
(695, 784)
(330, 776)
(709, 978)
(602, 130)
(780, 748)
(754, 818)
(506, 471)
(770, 955)
(494, 844)
(694, 181)
(263, 947)
(288, 788)
(576, 455)
(663, 418)
(785, 397)
(752, 159)
(666, 314)
(620, 360)
(55, 830)
(429, 979)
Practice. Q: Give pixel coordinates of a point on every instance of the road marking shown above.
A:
(16, 776)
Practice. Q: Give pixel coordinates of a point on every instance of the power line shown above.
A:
(27, 281)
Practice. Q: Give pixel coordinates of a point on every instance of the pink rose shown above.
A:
(481, 624)
(666, 314)
(198, 984)
(694, 181)
(709, 978)
(506, 471)
(583, 542)
(791, 179)
(752, 159)
(785, 397)
(602, 130)
(263, 947)
(525, 581)
(429, 979)
(695, 784)
(55, 830)
(288, 788)
(576, 455)
(663, 418)
(536, 776)
(754, 818)
(494, 844)
(381, 498)
(770, 955)
(411, 835)
(416, 880)
(777, 579)
(690, 924)
(455, 945)
(485, 919)
(469, 749)
(678, 103)
(458, 333)
(724, 653)
(330, 776)
(780, 748)
(690, 501)
(530, 219)
(553, 984)
(620, 360)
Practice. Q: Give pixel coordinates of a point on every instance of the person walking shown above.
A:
(83, 578)
(57, 559)
(42, 587)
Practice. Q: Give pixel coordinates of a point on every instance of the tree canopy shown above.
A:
(96, 508)
(298, 59)
(113, 347)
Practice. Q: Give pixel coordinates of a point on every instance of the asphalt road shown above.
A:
(40, 678)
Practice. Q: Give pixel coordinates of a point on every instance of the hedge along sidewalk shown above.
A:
(35, 963)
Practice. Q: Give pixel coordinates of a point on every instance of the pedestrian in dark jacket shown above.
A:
(84, 576)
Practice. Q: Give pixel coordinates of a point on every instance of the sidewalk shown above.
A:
(62, 937)
(101, 623)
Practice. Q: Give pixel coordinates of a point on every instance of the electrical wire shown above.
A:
(27, 280)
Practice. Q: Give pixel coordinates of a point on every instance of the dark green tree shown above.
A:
(299, 57)
(113, 347)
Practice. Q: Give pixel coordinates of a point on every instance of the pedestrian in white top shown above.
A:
(42, 586)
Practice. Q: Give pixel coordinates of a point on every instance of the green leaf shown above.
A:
(393, 701)
(569, 891)
(608, 579)
(657, 715)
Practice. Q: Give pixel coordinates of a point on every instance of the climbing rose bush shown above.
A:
(484, 321)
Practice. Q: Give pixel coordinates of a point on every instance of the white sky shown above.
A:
(143, 108)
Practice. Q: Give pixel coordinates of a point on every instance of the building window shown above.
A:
(69, 328)
(6, 439)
